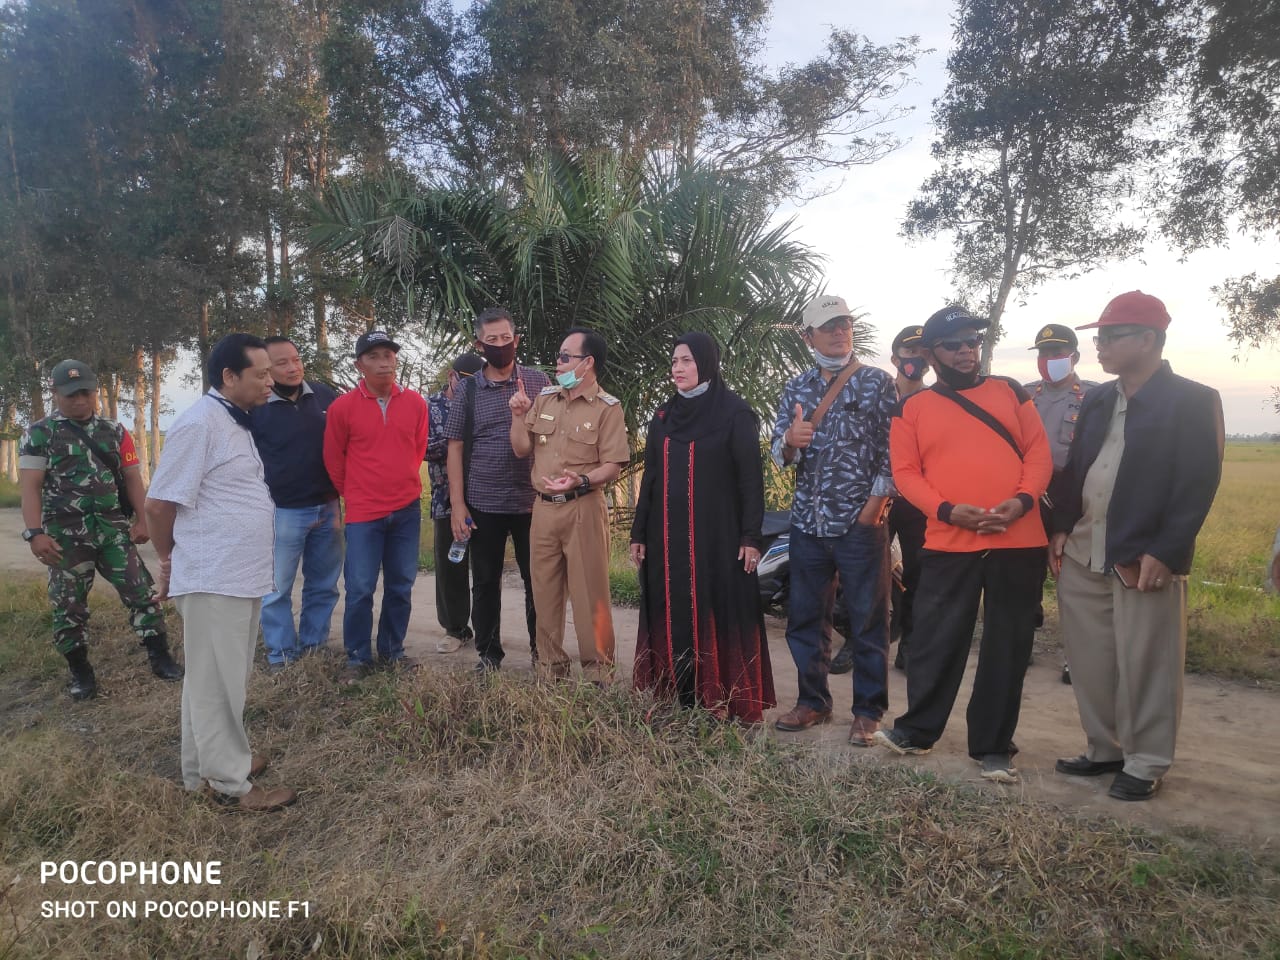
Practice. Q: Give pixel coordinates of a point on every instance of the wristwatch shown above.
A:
(31, 533)
(585, 484)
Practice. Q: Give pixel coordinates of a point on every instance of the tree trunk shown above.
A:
(269, 246)
(155, 408)
(203, 345)
(140, 412)
(9, 449)
(286, 267)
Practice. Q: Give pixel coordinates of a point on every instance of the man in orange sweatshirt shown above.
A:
(971, 454)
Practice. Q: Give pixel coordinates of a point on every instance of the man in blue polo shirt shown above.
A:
(289, 432)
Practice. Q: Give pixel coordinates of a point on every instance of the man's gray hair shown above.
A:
(493, 315)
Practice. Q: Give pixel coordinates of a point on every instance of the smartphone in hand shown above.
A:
(1127, 574)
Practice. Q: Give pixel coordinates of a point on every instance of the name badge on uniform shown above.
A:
(545, 416)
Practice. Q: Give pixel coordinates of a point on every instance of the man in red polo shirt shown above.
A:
(970, 453)
(374, 441)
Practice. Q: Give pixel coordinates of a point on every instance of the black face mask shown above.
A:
(239, 416)
(912, 368)
(954, 378)
(499, 356)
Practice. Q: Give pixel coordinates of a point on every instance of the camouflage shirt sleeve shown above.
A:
(34, 452)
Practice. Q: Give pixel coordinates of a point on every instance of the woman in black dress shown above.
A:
(696, 540)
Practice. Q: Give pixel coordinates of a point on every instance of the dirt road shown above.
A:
(1226, 778)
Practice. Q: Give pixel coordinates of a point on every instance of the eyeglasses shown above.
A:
(953, 346)
(837, 324)
(1110, 336)
(565, 357)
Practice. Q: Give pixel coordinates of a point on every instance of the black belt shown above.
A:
(563, 497)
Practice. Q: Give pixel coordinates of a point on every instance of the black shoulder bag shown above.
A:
(111, 463)
(971, 408)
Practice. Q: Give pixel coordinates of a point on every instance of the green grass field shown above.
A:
(446, 817)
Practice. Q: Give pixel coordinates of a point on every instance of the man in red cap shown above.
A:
(1139, 480)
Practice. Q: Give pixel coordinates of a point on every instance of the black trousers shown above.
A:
(908, 525)
(488, 551)
(453, 584)
(946, 609)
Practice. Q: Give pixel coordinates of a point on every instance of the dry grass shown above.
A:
(442, 816)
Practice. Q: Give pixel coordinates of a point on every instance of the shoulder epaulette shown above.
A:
(547, 391)
(608, 398)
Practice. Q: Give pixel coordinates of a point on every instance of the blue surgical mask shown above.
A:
(697, 391)
(569, 379)
(832, 363)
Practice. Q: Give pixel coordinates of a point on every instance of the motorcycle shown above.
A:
(774, 576)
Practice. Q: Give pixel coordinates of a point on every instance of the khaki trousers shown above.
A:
(219, 635)
(1127, 651)
(569, 549)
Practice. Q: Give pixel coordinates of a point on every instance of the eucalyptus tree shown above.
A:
(1041, 140)
(640, 255)
(482, 88)
(1227, 168)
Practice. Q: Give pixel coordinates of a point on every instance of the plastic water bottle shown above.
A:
(459, 548)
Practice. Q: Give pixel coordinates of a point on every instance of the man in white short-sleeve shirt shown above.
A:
(211, 519)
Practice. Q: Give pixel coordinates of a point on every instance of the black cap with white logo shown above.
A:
(373, 339)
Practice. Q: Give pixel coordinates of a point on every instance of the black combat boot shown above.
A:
(162, 664)
(83, 683)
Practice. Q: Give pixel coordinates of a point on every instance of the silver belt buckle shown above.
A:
(559, 498)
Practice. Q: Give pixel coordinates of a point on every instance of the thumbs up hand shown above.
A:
(520, 402)
(800, 434)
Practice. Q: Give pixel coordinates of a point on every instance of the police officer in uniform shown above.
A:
(578, 437)
(81, 482)
(1058, 396)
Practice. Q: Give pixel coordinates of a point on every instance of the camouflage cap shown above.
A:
(71, 376)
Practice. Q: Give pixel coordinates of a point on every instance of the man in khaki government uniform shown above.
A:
(578, 438)
(1058, 396)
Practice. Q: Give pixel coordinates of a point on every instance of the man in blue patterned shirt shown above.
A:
(453, 580)
(843, 482)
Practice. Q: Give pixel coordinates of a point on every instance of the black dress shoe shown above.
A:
(1125, 787)
(1082, 766)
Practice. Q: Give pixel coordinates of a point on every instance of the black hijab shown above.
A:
(691, 418)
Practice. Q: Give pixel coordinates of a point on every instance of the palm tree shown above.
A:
(641, 256)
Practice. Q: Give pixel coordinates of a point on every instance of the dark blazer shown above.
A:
(1168, 474)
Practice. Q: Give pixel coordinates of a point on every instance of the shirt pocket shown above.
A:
(581, 447)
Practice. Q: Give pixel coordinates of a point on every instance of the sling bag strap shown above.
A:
(468, 428)
(107, 461)
(833, 390)
(971, 408)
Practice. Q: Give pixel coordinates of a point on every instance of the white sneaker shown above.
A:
(448, 644)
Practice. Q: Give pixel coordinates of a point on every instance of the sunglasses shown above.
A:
(953, 346)
(564, 356)
(1110, 337)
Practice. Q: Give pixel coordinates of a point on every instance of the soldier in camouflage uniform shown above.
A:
(76, 520)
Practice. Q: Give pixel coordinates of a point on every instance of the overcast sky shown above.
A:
(857, 229)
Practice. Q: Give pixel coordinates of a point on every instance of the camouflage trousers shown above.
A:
(95, 543)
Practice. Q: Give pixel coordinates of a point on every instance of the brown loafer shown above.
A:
(801, 717)
(257, 765)
(257, 800)
(862, 733)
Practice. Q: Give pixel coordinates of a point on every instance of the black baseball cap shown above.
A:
(71, 376)
(908, 336)
(947, 321)
(468, 364)
(372, 339)
(1056, 335)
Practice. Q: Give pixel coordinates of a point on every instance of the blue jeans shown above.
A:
(861, 557)
(389, 544)
(312, 536)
